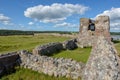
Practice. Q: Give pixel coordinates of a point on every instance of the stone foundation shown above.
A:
(58, 67)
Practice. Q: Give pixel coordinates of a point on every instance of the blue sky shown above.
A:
(55, 15)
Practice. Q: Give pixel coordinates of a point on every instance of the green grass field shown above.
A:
(117, 46)
(15, 43)
(28, 42)
(79, 54)
(26, 74)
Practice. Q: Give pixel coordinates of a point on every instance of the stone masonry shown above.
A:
(48, 49)
(70, 44)
(102, 27)
(91, 28)
(86, 35)
(52, 48)
(58, 67)
(8, 62)
(103, 63)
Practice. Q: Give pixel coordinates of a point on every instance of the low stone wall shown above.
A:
(8, 62)
(48, 49)
(51, 48)
(57, 67)
(48, 65)
(70, 44)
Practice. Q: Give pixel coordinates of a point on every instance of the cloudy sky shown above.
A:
(55, 15)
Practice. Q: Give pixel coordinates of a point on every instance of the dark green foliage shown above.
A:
(116, 41)
(14, 32)
(18, 32)
(115, 33)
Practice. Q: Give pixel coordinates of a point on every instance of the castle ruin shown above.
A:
(103, 63)
(90, 29)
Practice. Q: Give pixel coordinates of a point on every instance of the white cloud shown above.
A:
(55, 12)
(114, 14)
(4, 20)
(65, 24)
(30, 23)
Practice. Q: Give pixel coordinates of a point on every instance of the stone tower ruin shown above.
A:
(103, 62)
(102, 25)
(89, 29)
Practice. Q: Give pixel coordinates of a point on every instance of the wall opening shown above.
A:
(91, 27)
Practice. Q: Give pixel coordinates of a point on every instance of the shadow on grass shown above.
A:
(115, 41)
(28, 74)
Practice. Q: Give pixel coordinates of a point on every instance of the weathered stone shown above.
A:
(85, 35)
(70, 44)
(103, 63)
(89, 29)
(8, 62)
(48, 49)
(102, 27)
(51, 66)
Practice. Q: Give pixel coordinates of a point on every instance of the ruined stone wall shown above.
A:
(58, 67)
(102, 27)
(51, 48)
(48, 49)
(8, 62)
(103, 63)
(47, 65)
(86, 37)
(70, 44)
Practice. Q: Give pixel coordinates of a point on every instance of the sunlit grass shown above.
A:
(117, 46)
(79, 54)
(28, 42)
(27, 74)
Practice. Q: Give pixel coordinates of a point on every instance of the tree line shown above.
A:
(18, 32)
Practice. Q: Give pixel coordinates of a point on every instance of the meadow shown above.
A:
(28, 42)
